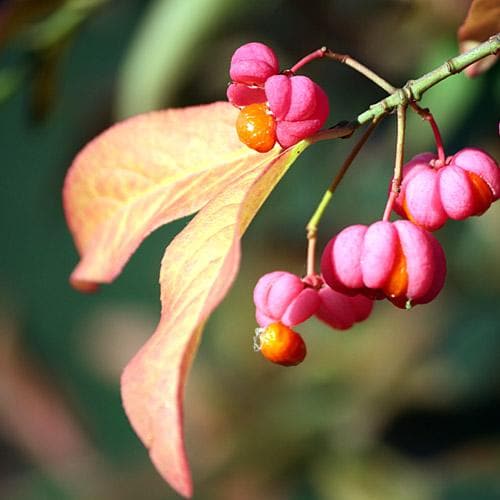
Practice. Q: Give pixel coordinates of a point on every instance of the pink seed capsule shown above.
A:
(431, 192)
(341, 311)
(253, 63)
(395, 260)
(299, 105)
(283, 297)
(242, 95)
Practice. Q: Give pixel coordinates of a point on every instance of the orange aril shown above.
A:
(280, 344)
(256, 127)
(481, 192)
(397, 284)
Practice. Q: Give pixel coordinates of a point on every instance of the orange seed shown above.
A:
(280, 344)
(397, 284)
(256, 127)
(482, 193)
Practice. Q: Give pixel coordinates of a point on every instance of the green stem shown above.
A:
(312, 225)
(360, 68)
(348, 61)
(414, 89)
(409, 94)
(398, 164)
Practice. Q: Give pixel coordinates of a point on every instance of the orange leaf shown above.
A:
(143, 173)
(481, 22)
(197, 270)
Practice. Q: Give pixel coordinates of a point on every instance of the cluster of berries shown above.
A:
(401, 260)
(283, 108)
(283, 300)
(434, 190)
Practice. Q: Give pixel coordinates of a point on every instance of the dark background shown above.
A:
(404, 406)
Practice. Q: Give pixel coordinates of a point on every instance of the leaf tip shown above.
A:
(158, 423)
(84, 286)
(181, 483)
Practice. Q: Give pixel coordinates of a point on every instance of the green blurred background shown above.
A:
(403, 406)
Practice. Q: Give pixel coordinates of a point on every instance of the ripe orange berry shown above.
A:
(256, 127)
(280, 344)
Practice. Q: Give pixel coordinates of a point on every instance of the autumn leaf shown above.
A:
(133, 178)
(197, 270)
(481, 22)
(145, 172)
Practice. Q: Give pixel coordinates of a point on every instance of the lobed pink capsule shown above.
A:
(431, 192)
(299, 105)
(341, 311)
(283, 297)
(397, 260)
(253, 63)
(242, 95)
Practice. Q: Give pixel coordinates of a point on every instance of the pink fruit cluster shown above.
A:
(299, 106)
(463, 185)
(251, 65)
(400, 261)
(394, 260)
(285, 298)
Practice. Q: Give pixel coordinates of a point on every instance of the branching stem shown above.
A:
(348, 61)
(398, 99)
(398, 163)
(312, 225)
(317, 54)
(361, 68)
(414, 89)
